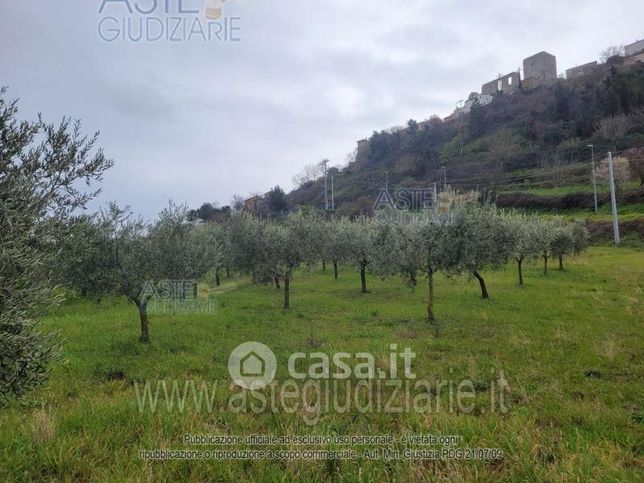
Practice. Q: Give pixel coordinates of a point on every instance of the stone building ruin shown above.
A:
(540, 68)
(581, 70)
(635, 48)
(506, 84)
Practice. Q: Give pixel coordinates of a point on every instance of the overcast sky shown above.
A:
(197, 121)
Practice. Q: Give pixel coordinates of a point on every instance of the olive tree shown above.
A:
(45, 174)
(285, 246)
(272, 250)
(524, 230)
(219, 236)
(435, 241)
(543, 236)
(484, 241)
(361, 250)
(408, 255)
(567, 238)
(245, 234)
(84, 263)
(169, 249)
(562, 241)
(337, 242)
(269, 242)
(134, 262)
(580, 236)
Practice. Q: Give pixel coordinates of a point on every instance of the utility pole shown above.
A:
(592, 159)
(326, 189)
(387, 180)
(332, 195)
(435, 194)
(444, 177)
(613, 200)
(460, 106)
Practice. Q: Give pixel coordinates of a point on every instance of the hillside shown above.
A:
(530, 142)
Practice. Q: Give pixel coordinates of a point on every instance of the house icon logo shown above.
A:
(252, 365)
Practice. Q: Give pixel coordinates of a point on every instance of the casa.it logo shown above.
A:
(252, 365)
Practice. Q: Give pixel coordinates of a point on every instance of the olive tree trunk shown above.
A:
(287, 302)
(363, 276)
(484, 293)
(143, 316)
(430, 296)
(412, 279)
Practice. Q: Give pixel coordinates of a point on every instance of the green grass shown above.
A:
(571, 345)
(604, 213)
(567, 189)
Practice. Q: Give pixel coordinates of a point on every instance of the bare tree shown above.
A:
(613, 128)
(309, 173)
(237, 203)
(502, 146)
(621, 171)
(635, 158)
(611, 51)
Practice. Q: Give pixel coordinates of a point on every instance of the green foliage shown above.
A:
(84, 262)
(210, 212)
(337, 240)
(460, 236)
(41, 169)
(277, 201)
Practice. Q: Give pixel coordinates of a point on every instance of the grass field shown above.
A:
(604, 213)
(571, 345)
(567, 189)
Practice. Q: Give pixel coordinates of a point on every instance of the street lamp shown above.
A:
(592, 158)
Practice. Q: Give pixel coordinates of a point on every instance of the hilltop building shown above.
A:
(474, 97)
(635, 48)
(506, 84)
(581, 70)
(539, 68)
